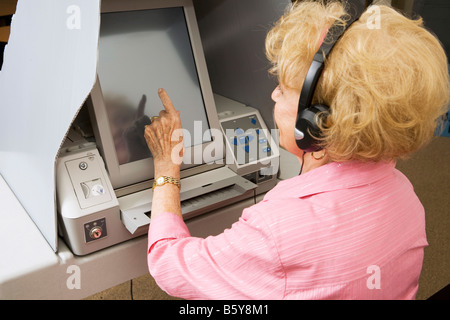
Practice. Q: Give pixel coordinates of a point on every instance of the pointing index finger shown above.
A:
(167, 103)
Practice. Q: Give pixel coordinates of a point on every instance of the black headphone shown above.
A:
(308, 116)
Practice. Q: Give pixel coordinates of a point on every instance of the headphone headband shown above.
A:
(317, 65)
(306, 123)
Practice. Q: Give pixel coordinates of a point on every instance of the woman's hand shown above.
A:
(164, 138)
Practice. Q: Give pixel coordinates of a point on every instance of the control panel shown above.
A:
(251, 148)
(247, 138)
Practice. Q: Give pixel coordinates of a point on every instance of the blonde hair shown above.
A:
(387, 86)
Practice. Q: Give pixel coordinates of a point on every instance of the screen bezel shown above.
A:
(123, 175)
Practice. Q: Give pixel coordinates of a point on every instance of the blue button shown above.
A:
(266, 149)
(235, 141)
(247, 149)
(253, 120)
(257, 131)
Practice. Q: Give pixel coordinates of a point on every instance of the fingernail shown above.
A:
(160, 90)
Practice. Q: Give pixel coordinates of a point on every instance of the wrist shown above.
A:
(167, 169)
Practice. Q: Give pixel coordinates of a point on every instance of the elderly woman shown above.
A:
(350, 225)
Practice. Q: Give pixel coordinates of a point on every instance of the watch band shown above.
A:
(164, 179)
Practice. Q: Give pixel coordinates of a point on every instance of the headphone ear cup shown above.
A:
(307, 123)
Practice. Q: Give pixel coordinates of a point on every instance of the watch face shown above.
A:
(160, 180)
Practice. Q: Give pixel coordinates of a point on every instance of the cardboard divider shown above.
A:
(48, 72)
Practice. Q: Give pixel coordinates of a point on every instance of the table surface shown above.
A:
(30, 269)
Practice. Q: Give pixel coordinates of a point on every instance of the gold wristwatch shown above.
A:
(163, 180)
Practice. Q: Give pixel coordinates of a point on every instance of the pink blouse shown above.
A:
(341, 231)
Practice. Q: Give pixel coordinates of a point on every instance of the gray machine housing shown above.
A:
(92, 215)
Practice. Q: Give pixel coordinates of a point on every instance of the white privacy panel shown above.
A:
(49, 70)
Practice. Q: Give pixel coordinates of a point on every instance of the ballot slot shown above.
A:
(136, 221)
(196, 197)
(190, 205)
